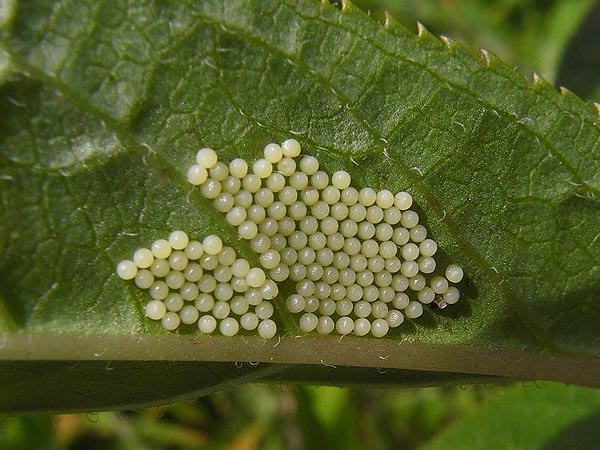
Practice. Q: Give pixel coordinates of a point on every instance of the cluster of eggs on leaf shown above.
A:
(360, 260)
(203, 283)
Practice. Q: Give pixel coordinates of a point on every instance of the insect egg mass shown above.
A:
(358, 259)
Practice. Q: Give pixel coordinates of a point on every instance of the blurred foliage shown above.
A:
(259, 417)
(580, 66)
(533, 35)
(548, 416)
(273, 417)
(530, 34)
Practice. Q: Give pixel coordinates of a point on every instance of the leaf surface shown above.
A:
(107, 103)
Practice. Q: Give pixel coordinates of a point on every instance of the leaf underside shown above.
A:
(107, 385)
(104, 105)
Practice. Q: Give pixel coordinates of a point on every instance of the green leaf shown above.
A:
(106, 105)
(60, 386)
(550, 416)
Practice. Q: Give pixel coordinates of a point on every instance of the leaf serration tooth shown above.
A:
(447, 41)
(389, 21)
(347, 6)
(421, 30)
(485, 56)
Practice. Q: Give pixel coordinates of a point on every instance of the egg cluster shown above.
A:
(204, 283)
(360, 260)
